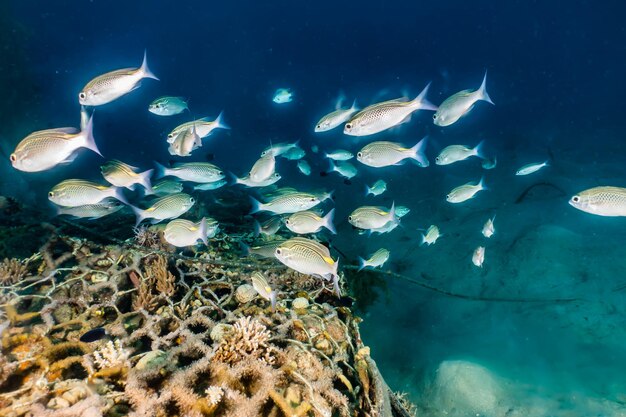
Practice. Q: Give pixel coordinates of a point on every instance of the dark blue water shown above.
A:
(556, 74)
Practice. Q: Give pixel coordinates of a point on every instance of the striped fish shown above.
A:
(289, 203)
(204, 127)
(264, 249)
(120, 174)
(73, 193)
(382, 154)
(200, 172)
(181, 233)
(375, 260)
(601, 201)
(168, 207)
(260, 284)
(309, 221)
(371, 217)
(91, 211)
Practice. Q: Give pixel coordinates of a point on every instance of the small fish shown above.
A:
(530, 168)
(120, 174)
(168, 106)
(478, 257)
(46, 149)
(431, 236)
(186, 142)
(286, 204)
(204, 127)
(268, 227)
(91, 211)
(385, 115)
(465, 192)
(249, 183)
(200, 172)
(377, 188)
(377, 259)
(73, 193)
(488, 228)
(279, 148)
(164, 208)
(113, 85)
(93, 335)
(294, 154)
(260, 284)
(165, 187)
(370, 217)
(282, 96)
(182, 233)
(460, 104)
(340, 155)
(210, 185)
(488, 163)
(601, 201)
(402, 211)
(455, 153)
(304, 222)
(335, 118)
(304, 167)
(315, 149)
(324, 195)
(383, 154)
(308, 257)
(344, 168)
(264, 249)
(263, 168)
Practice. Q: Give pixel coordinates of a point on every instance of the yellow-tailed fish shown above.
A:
(46, 149)
(164, 208)
(113, 85)
(377, 259)
(382, 154)
(431, 235)
(459, 104)
(601, 201)
(181, 233)
(308, 221)
(385, 115)
(260, 284)
(204, 127)
(120, 174)
(454, 153)
(465, 192)
(371, 217)
(200, 172)
(73, 193)
(335, 118)
(285, 204)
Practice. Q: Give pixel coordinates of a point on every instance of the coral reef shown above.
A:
(176, 336)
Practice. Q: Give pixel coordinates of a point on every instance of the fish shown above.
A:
(478, 257)
(45, 149)
(210, 185)
(601, 201)
(74, 192)
(455, 153)
(268, 227)
(340, 155)
(335, 118)
(370, 217)
(120, 174)
(91, 211)
(280, 148)
(488, 163)
(488, 228)
(377, 188)
(304, 222)
(165, 208)
(315, 149)
(110, 86)
(168, 106)
(262, 287)
(465, 192)
(249, 183)
(200, 172)
(304, 167)
(182, 233)
(204, 127)
(402, 211)
(186, 142)
(383, 154)
(431, 235)
(93, 335)
(382, 116)
(263, 168)
(377, 259)
(460, 104)
(264, 249)
(530, 168)
(344, 168)
(165, 187)
(308, 257)
(286, 204)
(282, 96)
(294, 154)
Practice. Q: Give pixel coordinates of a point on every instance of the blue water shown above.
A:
(556, 74)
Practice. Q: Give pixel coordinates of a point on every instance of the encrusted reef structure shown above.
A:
(130, 328)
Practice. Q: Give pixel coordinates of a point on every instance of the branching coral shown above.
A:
(12, 271)
(248, 339)
(111, 355)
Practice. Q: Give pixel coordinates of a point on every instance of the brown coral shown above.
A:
(12, 271)
(248, 339)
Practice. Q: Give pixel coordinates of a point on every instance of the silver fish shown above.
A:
(478, 257)
(279, 148)
(263, 168)
(260, 284)
(455, 153)
(370, 217)
(294, 154)
(459, 104)
(165, 187)
(120, 174)
(340, 155)
(344, 168)
(465, 192)
(383, 154)
(431, 235)
(91, 211)
(182, 233)
(488, 228)
(204, 127)
(377, 259)
(249, 183)
(530, 168)
(308, 221)
(289, 203)
(186, 142)
(200, 172)
(268, 227)
(402, 211)
(282, 96)
(73, 193)
(304, 167)
(264, 249)
(164, 208)
(168, 106)
(377, 188)
(601, 201)
(211, 185)
(335, 118)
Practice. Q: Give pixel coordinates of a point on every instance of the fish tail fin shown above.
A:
(361, 264)
(256, 205)
(354, 107)
(482, 91)
(273, 297)
(219, 122)
(332, 167)
(392, 212)
(478, 149)
(368, 190)
(547, 162)
(421, 103)
(335, 279)
(340, 99)
(481, 183)
(417, 152)
(423, 239)
(119, 195)
(145, 70)
(87, 133)
(139, 215)
(203, 231)
(144, 180)
(328, 221)
(245, 248)
(257, 228)
(161, 170)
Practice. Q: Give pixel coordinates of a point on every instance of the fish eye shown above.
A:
(360, 154)
(575, 199)
(220, 173)
(13, 157)
(287, 221)
(447, 196)
(170, 135)
(191, 200)
(82, 96)
(349, 126)
(312, 198)
(50, 194)
(350, 218)
(435, 116)
(278, 251)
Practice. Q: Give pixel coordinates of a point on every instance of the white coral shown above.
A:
(110, 355)
(214, 394)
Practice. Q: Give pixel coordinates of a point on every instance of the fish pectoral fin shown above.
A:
(69, 159)
(407, 119)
